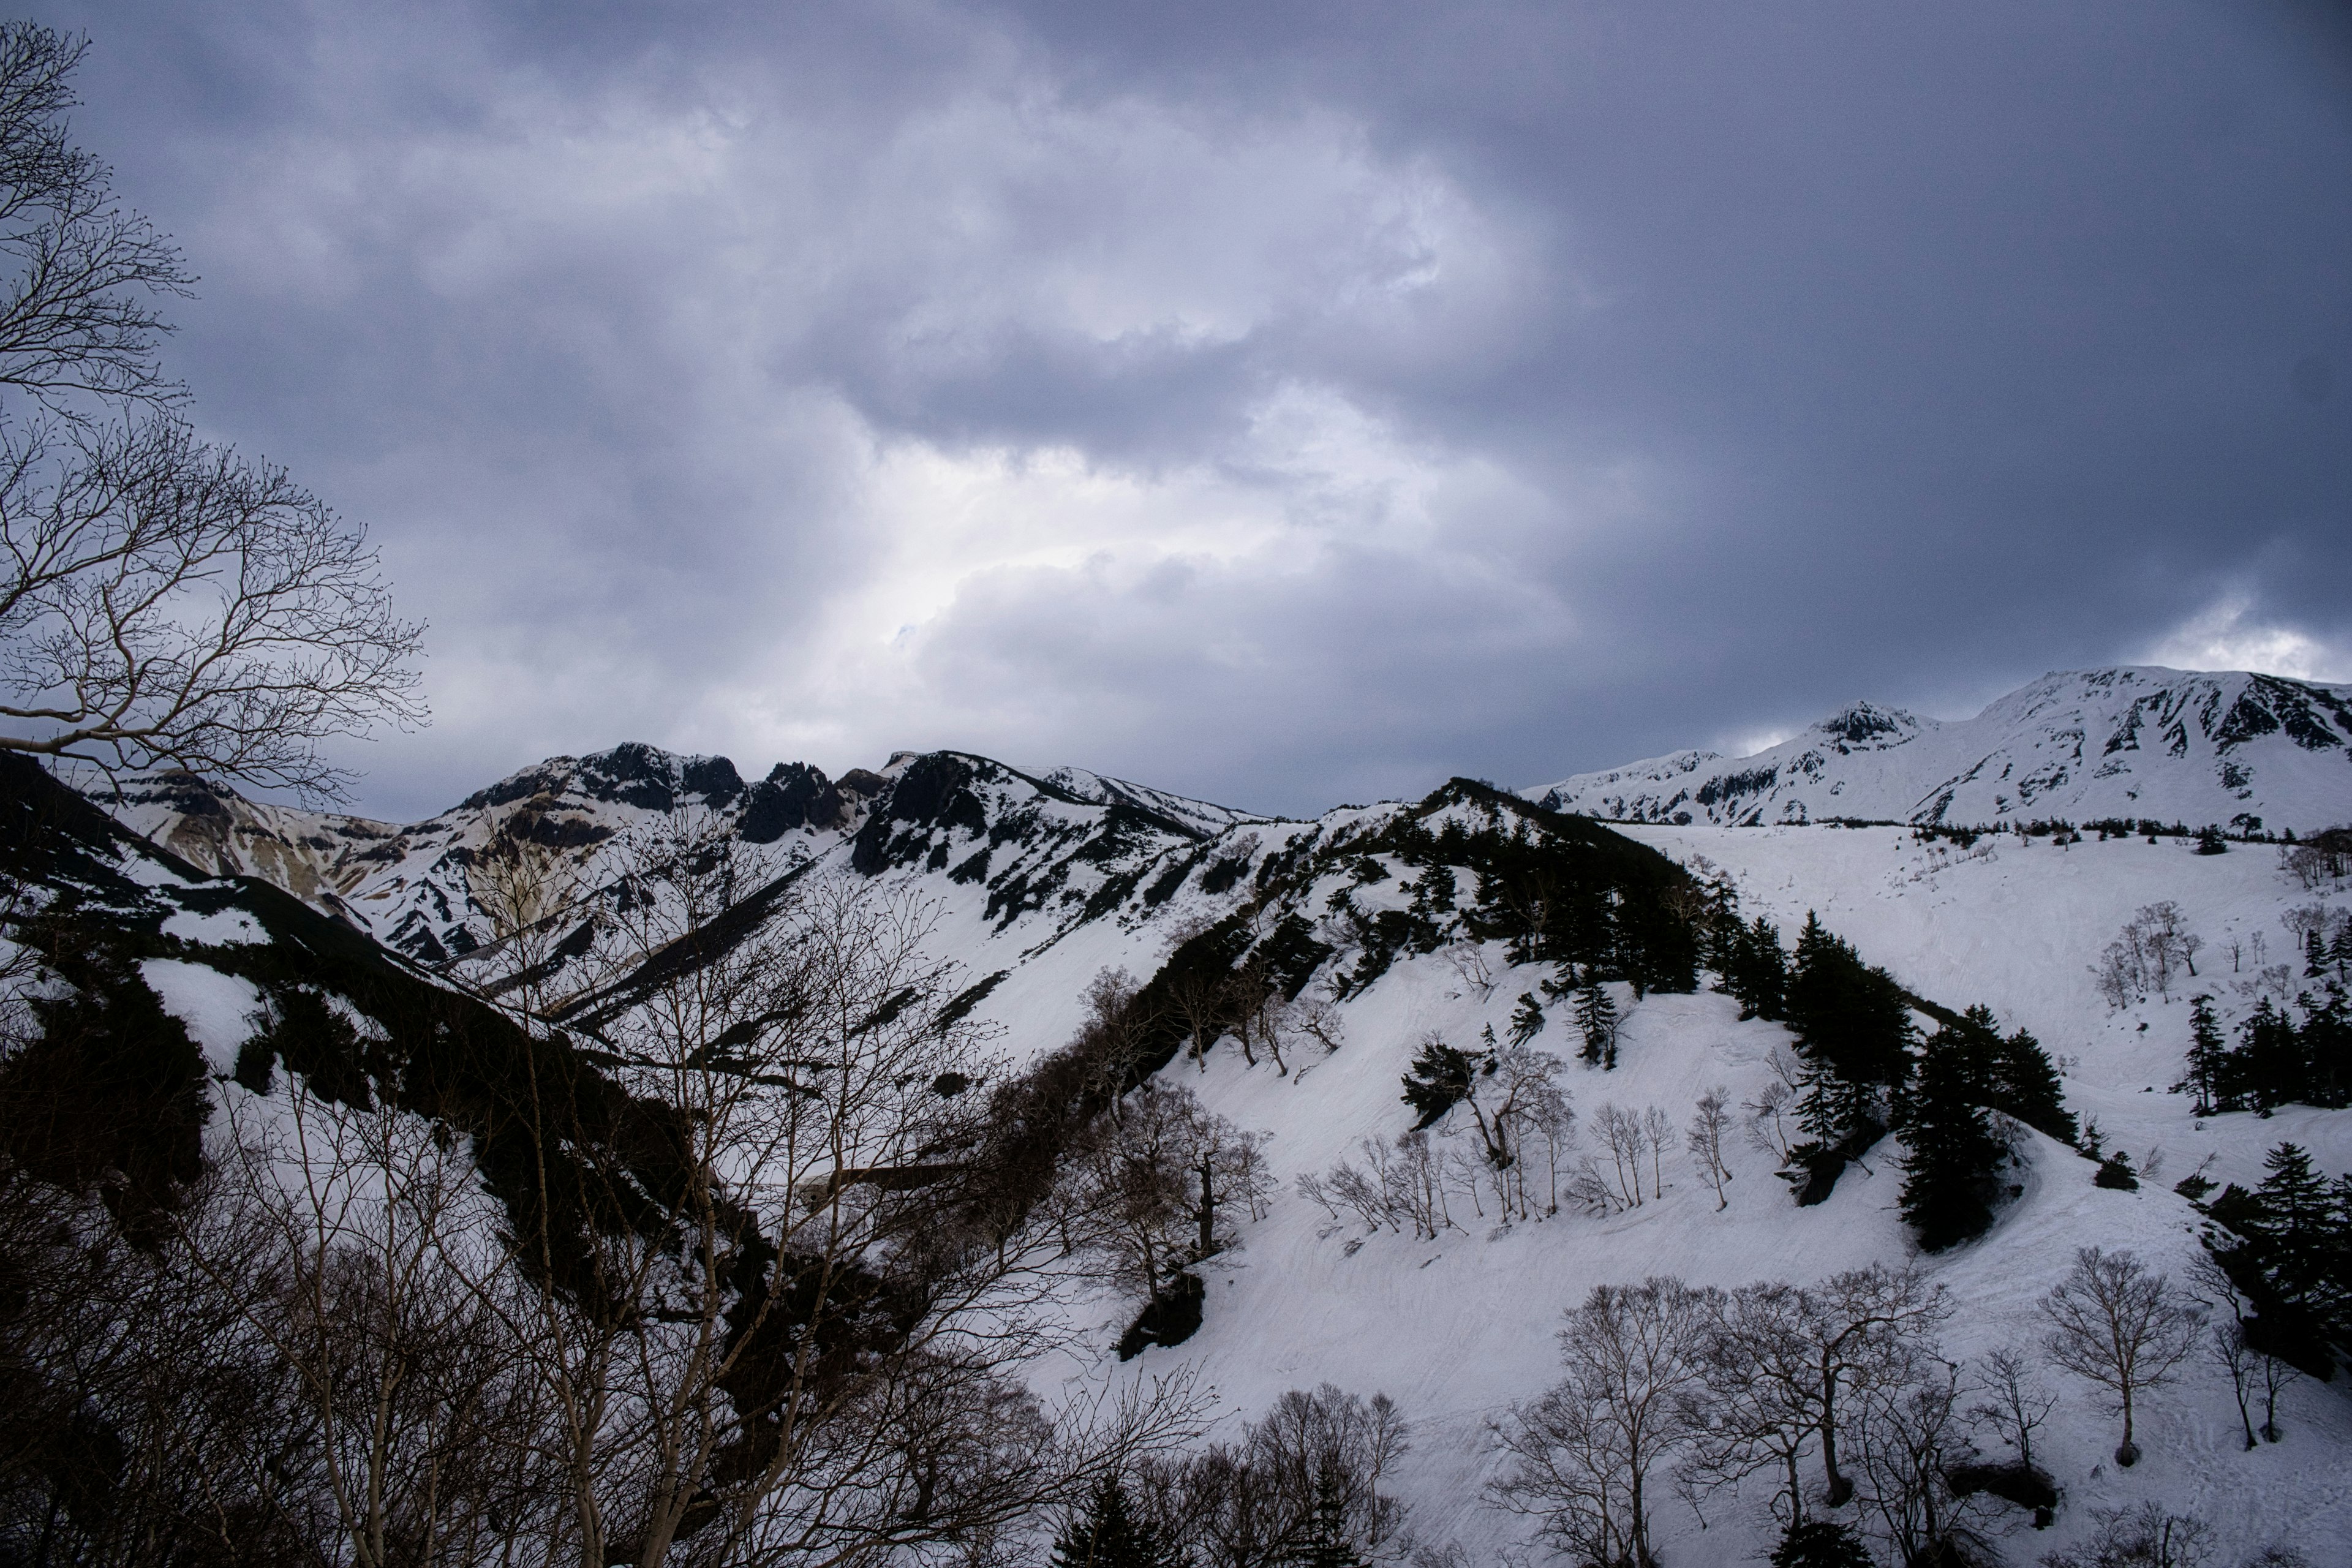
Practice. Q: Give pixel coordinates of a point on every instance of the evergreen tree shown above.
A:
(2268, 1066)
(2208, 1056)
(1527, 1019)
(2339, 951)
(1819, 1543)
(1325, 1543)
(2026, 1086)
(1849, 1018)
(1439, 1081)
(2326, 1049)
(1756, 971)
(1596, 1019)
(1949, 1176)
(2315, 954)
(1106, 1534)
(2294, 1196)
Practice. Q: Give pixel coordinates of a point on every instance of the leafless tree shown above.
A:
(2012, 1401)
(1620, 1134)
(524, 888)
(79, 316)
(1710, 1122)
(1910, 1437)
(1658, 1132)
(162, 602)
(1471, 966)
(2277, 1375)
(804, 1146)
(2119, 1326)
(1584, 1453)
(2142, 1537)
(1317, 1015)
(1254, 1502)
(1160, 1182)
(1552, 1120)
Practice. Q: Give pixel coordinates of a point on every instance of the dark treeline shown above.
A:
(2288, 1246)
(1866, 1072)
(2277, 1059)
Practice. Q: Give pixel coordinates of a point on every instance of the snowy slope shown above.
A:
(2131, 742)
(1039, 883)
(1457, 1328)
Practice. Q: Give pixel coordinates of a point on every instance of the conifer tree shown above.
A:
(1439, 1081)
(1596, 1019)
(1819, 1543)
(1949, 1181)
(2208, 1056)
(2026, 1086)
(1527, 1019)
(2315, 954)
(1324, 1541)
(1106, 1534)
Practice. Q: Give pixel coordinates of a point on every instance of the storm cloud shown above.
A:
(1284, 405)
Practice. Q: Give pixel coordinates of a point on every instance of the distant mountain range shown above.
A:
(2226, 748)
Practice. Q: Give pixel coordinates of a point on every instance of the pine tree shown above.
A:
(1757, 969)
(1107, 1535)
(2268, 1066)
(2296, 1222)
(2339, 951)
(1596, 1019)
(1440, 1081)
(2315, 954)
(1527, 1019)
(1324, 1541)
(1819, 1543)
(2026, 1086)
(1949, 1181)
(2208, 1055)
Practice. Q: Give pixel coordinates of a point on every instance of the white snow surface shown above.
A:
(1457, 1328)
(217, 1008)
(2133, 742)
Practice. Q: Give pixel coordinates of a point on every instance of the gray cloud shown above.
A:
(1283, 404)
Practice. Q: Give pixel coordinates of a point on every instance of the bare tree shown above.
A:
(1159, 1180)
(1710, 1122)
(2012, 1401)
(1256, 1500)
(1785, 1364)
(161, 601)
(1658, 1132)
(1620, 1134)
(79, 316)
(2119, 1326)
(2226, 1348)
(2142, 1537)
(790, 1328)
(1583, 1454)
(1911, 1436)
(523, 887)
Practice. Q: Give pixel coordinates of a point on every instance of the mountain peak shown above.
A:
(2135, 742)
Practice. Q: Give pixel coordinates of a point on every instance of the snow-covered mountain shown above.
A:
(1399, 917)
(2135, 743)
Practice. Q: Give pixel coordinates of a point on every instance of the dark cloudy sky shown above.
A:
(1286, 404)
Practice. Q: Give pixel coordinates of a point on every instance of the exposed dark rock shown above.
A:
(793, 797)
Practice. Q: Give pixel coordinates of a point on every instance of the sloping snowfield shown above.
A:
(1456, 1330)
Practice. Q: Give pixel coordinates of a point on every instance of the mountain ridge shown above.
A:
(2229, 748)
